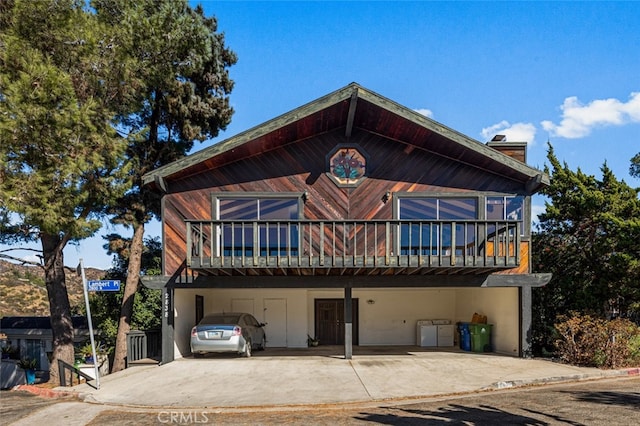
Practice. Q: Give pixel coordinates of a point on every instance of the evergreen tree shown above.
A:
(634, 169)
(589, 238)
(61, 160)
(179, 70)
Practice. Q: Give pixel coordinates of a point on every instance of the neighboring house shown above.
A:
(32, 336)
(349, 219)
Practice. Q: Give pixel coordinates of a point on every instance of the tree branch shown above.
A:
(20, 248)
(17, 259)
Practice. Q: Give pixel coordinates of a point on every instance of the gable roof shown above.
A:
(352, 107)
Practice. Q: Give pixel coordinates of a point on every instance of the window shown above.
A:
(347, 165)
(438, 208)
(33, 350)
(429, 237)
(251, 321)
(276, 234)
(505, 208)
(256, 208)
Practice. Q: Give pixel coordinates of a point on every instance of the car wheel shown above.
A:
(247, 349)
(263, 344)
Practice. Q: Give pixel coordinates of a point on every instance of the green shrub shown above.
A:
(595, 342)
(27, 364)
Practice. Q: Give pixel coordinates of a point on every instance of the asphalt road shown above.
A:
(599, 402)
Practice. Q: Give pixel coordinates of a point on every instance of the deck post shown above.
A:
(525, 321)
(348, 323)
(167, 324)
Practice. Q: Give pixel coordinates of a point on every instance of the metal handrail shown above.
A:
(64, 367)
(356, 243)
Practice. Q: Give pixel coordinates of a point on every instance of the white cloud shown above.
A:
(425, 112)
(516, 132)
(578, 120)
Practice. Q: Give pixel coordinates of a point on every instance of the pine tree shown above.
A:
(61, 160)
(634, 169)
(179, 70)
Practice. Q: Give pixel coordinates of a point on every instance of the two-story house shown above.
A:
(349, 219)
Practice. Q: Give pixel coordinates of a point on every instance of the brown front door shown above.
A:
(329, 317)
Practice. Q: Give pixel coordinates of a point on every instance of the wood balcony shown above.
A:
(351, 247)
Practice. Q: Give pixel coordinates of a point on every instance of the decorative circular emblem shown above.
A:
(347, 165)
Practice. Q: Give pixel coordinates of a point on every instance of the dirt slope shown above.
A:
(23, 293)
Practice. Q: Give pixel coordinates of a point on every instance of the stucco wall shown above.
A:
(220, 300)
(184, 319)
(391, 318)
(500, 305)
(386, 316)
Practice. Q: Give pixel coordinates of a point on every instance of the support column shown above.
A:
(348, 323)
(167, 325)
(525, 321)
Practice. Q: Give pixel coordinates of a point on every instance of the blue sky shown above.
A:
(566, 72)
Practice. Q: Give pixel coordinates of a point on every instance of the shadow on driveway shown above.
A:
(337, 351)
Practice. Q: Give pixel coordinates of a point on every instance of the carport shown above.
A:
(379, 316)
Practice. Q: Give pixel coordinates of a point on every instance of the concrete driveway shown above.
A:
(289, 377)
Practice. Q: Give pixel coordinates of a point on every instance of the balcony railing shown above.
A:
(352, 244)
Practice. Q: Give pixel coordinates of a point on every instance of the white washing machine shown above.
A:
(426, 333)
(431, 333)
(445, 334)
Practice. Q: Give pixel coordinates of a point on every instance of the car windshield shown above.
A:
(220, 319)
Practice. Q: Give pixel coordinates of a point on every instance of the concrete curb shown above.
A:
(633, 371)
(561, 379)
(46, 392)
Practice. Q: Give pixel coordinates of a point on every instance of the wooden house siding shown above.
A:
(301, 167)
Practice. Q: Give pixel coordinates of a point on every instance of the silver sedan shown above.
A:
(227, 332)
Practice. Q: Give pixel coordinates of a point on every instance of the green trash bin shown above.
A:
(480, 337)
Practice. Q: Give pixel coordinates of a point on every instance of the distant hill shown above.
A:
(23, 292)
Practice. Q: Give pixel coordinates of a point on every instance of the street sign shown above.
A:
(103, 285)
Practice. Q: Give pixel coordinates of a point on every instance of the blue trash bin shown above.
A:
(465, 336)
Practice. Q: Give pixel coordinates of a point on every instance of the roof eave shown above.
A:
(251, 134)
(537, 179)
(460, 138)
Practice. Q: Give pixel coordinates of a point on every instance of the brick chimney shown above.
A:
(517, 150)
